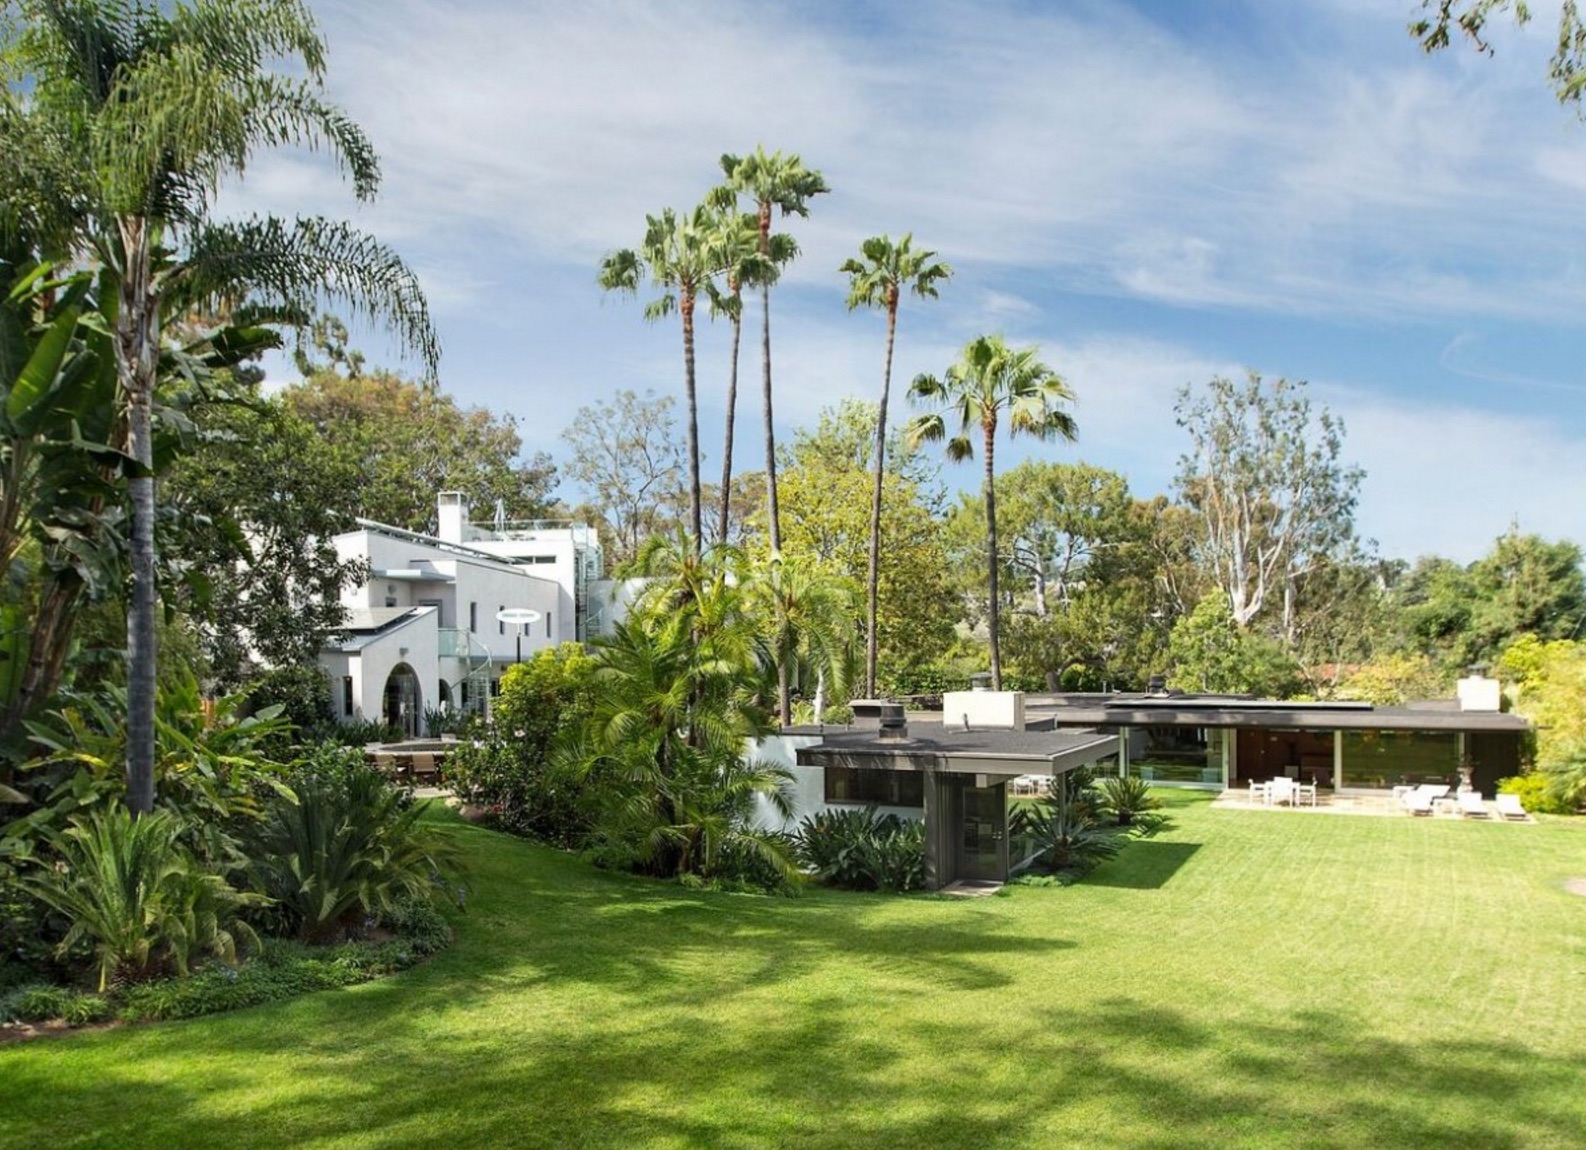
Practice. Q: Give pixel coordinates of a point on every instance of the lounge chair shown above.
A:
(1417, 802)
(1471, 806)
(1512, 810)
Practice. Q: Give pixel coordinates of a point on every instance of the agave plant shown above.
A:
(347, 848)
(1064, 836)
(1126, 799)
(133, 890)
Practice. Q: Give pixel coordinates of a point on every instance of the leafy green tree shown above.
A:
(1526, 585)
(406, 440)
(1566, 69)
(1211, 652)
(257, 509)
(990, 381)
(826, 498)
(771, 180)
(879, 280)
(624, 454)
(153, 110)
(1394, 680)
(1549, 687)
(1274, 498)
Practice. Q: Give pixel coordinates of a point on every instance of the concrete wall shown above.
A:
(1003, 709)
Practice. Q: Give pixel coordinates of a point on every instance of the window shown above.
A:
(868, 785)
(473, 616)
(501, 627)
(346, 695)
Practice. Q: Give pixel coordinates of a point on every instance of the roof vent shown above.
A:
(894, 727)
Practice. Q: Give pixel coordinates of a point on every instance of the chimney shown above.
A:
(1479, 693)
(451, 515)
(894, 727)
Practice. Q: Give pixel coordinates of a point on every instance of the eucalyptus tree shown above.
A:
(879, 279)
(154, 107)
(992, 380)
(679, 255)
(772, 180)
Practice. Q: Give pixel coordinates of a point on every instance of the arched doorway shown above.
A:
(404, 701)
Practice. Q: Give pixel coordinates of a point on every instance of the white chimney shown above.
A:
(1479, 693)
(451, 515)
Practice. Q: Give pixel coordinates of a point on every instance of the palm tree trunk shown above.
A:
(686, 307)
(137, 351)
(991, 557)
(773, 514)
(732, 408)
(873, 576)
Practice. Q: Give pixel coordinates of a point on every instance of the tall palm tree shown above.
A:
(679, 255)
(989, 380)
(878, 280)
(156, 106)
(736, 239)
(772, 181)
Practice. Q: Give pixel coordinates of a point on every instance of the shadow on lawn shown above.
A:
(1144, 864)
(1122, 1073)
(593, 1010)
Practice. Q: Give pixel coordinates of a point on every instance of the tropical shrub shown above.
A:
(44, 1002)
(132, 890)
(300, 694)
(345, 850)
(680, 692)
(1126, 799)
(1538, 793)
(509, 768)
(860, 849)
(1064, 838)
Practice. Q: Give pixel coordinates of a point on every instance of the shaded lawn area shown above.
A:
(1245, 979)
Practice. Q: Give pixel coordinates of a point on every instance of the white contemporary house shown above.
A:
(441, 617)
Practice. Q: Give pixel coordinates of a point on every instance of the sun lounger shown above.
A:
(1512, 810)
(1471, 806)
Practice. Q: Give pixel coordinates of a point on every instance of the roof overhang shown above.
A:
(1010, 753)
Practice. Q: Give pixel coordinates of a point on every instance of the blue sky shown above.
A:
(1155, 193)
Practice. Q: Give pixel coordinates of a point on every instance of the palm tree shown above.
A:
(680, 255)
(878, 280)
(991, 378)
(155, 108)
(772, 181)
(736, 239)
(809, 620)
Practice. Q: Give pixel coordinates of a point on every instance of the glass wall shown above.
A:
(1379, 760)
(1176, 754)
(881, 787)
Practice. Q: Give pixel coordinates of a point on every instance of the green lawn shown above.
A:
(1247, 978)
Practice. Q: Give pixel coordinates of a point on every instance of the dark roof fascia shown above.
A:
(932, 755)
(1308, 720)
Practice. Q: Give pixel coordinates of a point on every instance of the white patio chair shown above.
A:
(1282, 790)
(1510, 807)
(1258, 793)
(1471, 806)
(1417, 802)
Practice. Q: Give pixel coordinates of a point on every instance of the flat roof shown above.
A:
(1268, 713)
(931, 745)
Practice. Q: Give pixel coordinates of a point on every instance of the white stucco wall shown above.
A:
(808, 788)
(415, 643)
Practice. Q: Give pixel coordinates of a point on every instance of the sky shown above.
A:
(1154, 192)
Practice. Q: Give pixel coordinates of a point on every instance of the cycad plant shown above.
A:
(134, 892)
(348, 849)
(1064, 836)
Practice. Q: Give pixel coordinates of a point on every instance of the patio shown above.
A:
(1329, 803)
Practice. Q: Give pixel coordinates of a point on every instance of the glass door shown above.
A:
(983, 834)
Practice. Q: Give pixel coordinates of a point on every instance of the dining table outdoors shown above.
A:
(1275, 792)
